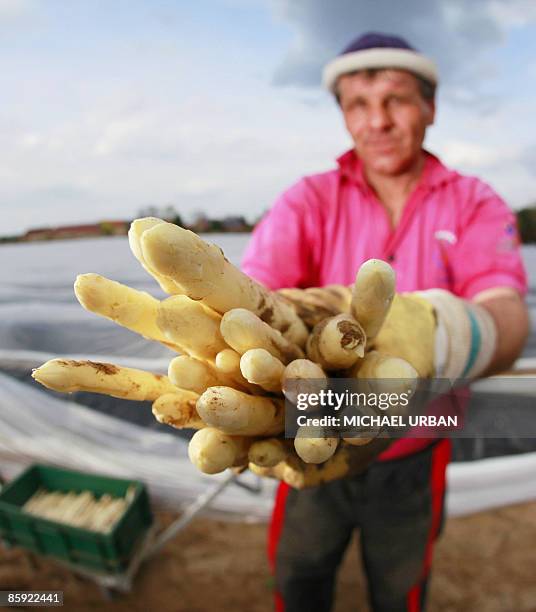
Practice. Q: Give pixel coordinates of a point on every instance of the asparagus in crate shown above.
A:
(82, 510)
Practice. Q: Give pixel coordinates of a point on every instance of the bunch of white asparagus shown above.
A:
(82, 510)
(240, 348)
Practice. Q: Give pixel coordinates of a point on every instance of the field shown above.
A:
(483, 563)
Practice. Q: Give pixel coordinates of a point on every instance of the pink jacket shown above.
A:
(455, 233)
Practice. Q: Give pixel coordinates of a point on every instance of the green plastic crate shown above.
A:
(106, 552)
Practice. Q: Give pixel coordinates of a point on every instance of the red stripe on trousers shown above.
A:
(274, 535)
(440, 460)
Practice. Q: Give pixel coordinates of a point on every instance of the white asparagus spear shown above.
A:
(105, 518)
(135, 232)
(88, 519)
(337, 342)
(372, 295)
(65, 502)
(238, 413)
(44, 502)
(268, 452)
(67, 376)
(76, 518)
(178, 409)
(204, 273)
(243, 330)
(77, 507)
(212, 451)
(313, 446)
(194, 375)
(302, 376)
(379, 373)
(360, 436)
(194, 326)
(228, 361)
(135, 310)
(263, 369)
(384, 373)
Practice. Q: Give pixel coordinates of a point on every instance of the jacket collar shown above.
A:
(435, 173)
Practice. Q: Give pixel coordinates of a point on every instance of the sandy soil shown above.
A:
(483, 563)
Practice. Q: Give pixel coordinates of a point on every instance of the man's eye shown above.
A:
(396, 100)
(357, 104)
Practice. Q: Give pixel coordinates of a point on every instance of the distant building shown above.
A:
(104, 228)
(235, 224)
(41, 233)
(201, 224)
(204, 224)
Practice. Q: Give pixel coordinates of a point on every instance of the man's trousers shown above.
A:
(398, 507)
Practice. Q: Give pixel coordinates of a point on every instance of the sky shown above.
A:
(216, 106)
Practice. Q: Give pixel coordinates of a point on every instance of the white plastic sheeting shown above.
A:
(35, 427)
(490, 483)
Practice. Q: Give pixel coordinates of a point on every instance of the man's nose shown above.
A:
(379, 118)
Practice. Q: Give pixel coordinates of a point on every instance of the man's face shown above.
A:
(387, 117)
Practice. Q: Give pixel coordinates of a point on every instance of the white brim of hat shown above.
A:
(367, 59)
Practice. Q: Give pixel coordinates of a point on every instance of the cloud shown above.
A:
(514, 14)
(106, 156)
(457, 34)
(498, 149)
(473, 155)
(13, 9)
(528, 158)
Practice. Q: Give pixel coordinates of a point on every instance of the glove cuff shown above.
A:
(466, 336)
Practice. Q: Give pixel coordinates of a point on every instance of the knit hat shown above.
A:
(376, 50)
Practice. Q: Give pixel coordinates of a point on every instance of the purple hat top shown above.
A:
(377, 50)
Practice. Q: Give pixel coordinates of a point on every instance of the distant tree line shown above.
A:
(526, 221)
(200, 223)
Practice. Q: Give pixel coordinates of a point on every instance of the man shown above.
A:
(392, 200)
